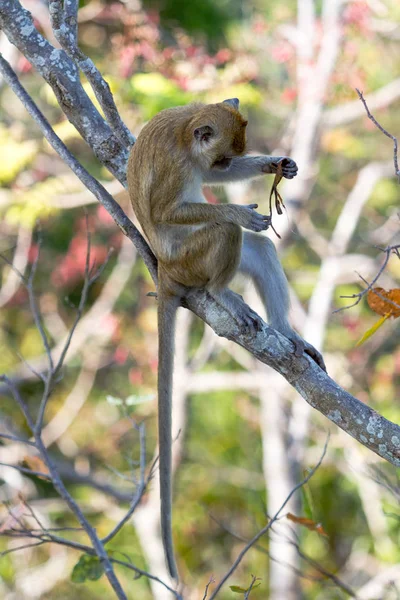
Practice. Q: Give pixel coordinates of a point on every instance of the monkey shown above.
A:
(199, 245)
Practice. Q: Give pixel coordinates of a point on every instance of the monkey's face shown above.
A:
(222, 136)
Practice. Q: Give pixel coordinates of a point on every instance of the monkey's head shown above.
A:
(219, 134)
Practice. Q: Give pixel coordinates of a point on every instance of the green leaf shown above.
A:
(372, 330)
(87, 567)
(308, 504)
(114, 400)
(237, 589)
(136, 399)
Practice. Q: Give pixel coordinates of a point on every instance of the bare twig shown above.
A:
(317, 566)
(62, 75)
(26, 470)
(36, 428)
(267, 527)
(112, 207)
(389, 135)
(64, 23)
(55, 478)
(15, 438)
(389, 250)
(143, 482)
(20, 262)
(49, 537)
(253, 580)
(210, 581)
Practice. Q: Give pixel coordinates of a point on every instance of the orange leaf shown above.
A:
(379, 303)
(36, 464)
(309, 523)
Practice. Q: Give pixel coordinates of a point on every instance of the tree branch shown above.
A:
(61, 73)
(317, 388)
(64, 23)
(121, 219)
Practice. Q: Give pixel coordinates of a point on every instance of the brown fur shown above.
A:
(200, 245)
(196, 244)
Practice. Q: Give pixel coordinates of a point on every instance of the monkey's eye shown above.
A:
(204, 133)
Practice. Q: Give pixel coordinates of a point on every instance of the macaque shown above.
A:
(199, 245)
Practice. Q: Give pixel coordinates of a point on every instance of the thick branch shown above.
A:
(61, 73)
(64, 23)
(317, 388)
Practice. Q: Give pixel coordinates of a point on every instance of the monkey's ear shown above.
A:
(204, 133)
(234, 102)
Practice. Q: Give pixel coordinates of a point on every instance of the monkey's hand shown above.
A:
(250, 219)
(289, 167)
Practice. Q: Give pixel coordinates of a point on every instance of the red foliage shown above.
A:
(282, 52)
(289, 95)
(104, 217)
(72, 267)
(121, 355)
(358, 14)
(210, 197)
(33, 253)
(135, 376)
(23, 65)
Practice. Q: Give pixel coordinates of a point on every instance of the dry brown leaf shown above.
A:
(36, 464)
(379, 305)
(278, 198)
(309, 523)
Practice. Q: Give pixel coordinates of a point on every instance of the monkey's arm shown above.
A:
(247, 167)
(194, 213)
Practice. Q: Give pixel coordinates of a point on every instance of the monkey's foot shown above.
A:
(246, 318)
(301, 346)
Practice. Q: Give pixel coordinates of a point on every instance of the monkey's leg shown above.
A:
(234, 304)
(260, 260)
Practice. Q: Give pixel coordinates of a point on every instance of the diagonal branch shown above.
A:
(64, 25)
(121, 219)
(62, 75)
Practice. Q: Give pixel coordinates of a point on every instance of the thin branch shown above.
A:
(317, 566)
(68, 42)
(24, 547)
(140, 488)
(253, 580)
(264, 530)
(49, 537)
(17, 397)
(58, 484)
(62, 75)
(389, 135)
(210, 581)
(71, 18)
(27, 471)
(388, 252)
(15, 438)
(35, 309)
(112, 207)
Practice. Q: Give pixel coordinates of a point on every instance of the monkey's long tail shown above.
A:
(167, 306)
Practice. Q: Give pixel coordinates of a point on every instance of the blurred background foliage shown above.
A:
(158, 55)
